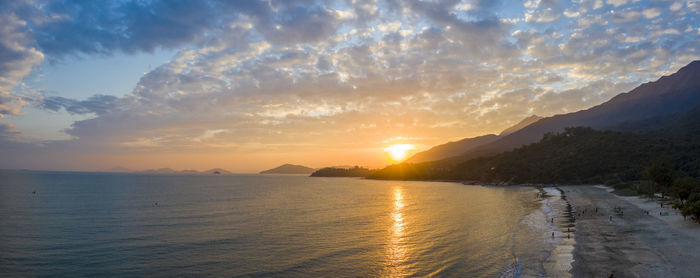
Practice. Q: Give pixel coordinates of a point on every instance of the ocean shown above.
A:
(104, 224)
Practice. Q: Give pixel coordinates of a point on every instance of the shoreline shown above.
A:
(561, 225)
(626, 242)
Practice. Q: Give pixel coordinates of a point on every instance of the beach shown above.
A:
(633, 243)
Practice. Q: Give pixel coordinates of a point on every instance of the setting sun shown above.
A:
(399, 152)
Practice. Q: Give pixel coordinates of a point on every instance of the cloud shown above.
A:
(651, 13)
(617, 3)
(246, 82)
(676, 6)
(88, 27)
(299, 24)
(271, 76)
(69, 27)
(8, 132)
(545, 11)
(17, 58)
(97, 104)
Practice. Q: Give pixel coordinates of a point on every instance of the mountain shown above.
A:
(289, 169)
(584, 155)
(451, 149)
(171, 171)
(217, 171)
(668, 95)
(160, 171)
(456, 148)
(522, 124)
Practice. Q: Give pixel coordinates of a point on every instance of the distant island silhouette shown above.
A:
(289, 169)
(214, 171)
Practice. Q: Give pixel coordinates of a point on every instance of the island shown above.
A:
(290, 169)
(215, 171)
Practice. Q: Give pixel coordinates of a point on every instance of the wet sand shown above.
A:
(558, 263)
(633, 244)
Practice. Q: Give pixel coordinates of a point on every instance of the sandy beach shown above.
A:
(632, 244)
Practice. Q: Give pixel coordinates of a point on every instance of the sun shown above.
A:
(399, 152)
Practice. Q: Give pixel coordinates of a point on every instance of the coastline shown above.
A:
(632, 244)
(561, 227)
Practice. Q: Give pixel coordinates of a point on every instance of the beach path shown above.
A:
(633, 244)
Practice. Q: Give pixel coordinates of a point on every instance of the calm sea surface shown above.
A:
(99, 224)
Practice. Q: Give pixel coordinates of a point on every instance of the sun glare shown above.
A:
(399, 152)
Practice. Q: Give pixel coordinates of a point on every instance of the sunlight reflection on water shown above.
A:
(397, 246)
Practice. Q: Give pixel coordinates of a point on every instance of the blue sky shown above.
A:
(79, 78)
(246, 85)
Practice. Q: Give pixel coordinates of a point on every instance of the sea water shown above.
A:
(101, 224)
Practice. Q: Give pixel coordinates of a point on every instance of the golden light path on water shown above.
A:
(397, 246)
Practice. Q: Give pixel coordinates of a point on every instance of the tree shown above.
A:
(683, 187)
(692, 206)
(661, 174)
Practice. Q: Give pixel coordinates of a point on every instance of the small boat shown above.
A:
(513, 270)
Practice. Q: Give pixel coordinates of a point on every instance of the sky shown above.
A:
(249, 85)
